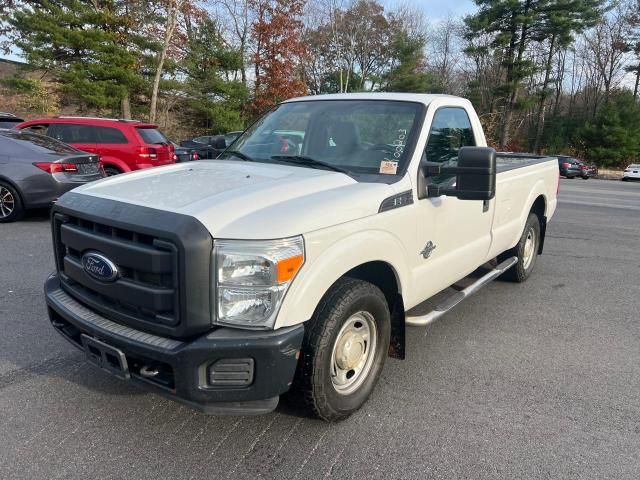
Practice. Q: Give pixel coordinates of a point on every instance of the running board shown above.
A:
(458, 297)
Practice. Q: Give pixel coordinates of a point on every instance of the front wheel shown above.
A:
(343, 351)
(526, 250)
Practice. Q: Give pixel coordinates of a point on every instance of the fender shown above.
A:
(323, 268)
(507, 235)
(537, 191)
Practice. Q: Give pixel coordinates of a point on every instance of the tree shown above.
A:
(172, 9)
(209, 65)
(409, 74)
(90, 47)
(560, 19)
(277, 33)
(613, 137)
(510, 23)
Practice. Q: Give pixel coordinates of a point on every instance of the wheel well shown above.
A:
(15, 187)
(539, 207)
(383, 276)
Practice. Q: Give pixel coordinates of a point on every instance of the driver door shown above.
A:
(456, 234)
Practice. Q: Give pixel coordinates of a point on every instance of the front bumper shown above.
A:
(183, 364)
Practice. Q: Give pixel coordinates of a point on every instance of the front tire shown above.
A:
(11, 207)
(526, 250)
(343, 351)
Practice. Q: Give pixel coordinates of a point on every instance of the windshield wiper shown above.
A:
(238, 154)
(310, 162)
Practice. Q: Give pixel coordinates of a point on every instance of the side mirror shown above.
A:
(218, 142)
(475, 175)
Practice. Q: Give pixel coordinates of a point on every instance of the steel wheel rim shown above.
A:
(353, 353)
(7, 202)
(529, 249)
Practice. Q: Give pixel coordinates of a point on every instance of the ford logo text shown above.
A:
(99, 267)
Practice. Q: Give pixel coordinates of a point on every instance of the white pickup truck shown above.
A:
(295, 260)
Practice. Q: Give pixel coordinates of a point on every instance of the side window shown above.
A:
(40, 129)
(450, 131)
(74, 133)
(110, 135)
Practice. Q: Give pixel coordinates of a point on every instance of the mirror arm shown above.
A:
(434, 191)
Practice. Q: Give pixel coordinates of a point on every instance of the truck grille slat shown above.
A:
(147, 287)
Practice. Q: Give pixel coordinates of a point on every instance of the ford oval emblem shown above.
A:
(99, 267)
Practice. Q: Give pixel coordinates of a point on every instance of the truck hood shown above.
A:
(235, 199)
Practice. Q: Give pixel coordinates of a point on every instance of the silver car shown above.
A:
(35, 170)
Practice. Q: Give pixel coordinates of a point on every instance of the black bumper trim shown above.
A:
(275, 355)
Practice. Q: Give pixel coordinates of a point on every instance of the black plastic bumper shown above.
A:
(182, 365)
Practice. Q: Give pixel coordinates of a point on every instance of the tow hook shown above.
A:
(149, 372)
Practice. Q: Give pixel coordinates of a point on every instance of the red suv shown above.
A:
(123, 145)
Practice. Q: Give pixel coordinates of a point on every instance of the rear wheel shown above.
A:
(344, 350)
(526, 250)
(11, 208)
(111, 171)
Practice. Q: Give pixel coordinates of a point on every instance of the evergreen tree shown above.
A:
(613, 137)
(514, 24)
(409, 74)
(91, 47)
(209, 66)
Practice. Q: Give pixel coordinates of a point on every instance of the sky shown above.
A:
(440, 9)
(434, 10)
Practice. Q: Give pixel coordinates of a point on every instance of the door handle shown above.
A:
(485, 206)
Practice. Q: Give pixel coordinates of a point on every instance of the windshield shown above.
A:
(356, 136)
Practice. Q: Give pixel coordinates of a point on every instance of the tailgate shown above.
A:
(154, 138)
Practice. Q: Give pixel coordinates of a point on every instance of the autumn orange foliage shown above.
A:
(277, 32)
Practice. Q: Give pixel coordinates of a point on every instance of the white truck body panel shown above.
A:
(338, 216)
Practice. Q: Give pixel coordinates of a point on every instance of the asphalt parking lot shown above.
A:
(536, 380)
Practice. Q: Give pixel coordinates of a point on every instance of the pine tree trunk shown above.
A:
(541, 104)
(125, 107)
(637, 86)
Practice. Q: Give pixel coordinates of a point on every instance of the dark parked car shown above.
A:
(184, 154)
(9, 120)
(571, 167)
(35, 170)
(230, 137)
(208, 147)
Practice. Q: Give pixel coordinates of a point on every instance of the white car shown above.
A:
(295, 262)
(632, 172)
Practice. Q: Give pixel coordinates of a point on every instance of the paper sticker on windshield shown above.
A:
(388, 167)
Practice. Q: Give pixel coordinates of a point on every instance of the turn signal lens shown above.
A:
(286, 269)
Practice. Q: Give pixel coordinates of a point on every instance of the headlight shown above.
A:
(252, 277)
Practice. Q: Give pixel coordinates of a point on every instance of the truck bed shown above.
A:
(506, 161)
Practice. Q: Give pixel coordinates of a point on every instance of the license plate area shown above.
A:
(106, 357)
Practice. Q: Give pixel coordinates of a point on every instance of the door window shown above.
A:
(110, 135)
(39, 128)
(450, 131)
(73, 133)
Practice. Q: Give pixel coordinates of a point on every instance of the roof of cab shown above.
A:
(424, 98)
